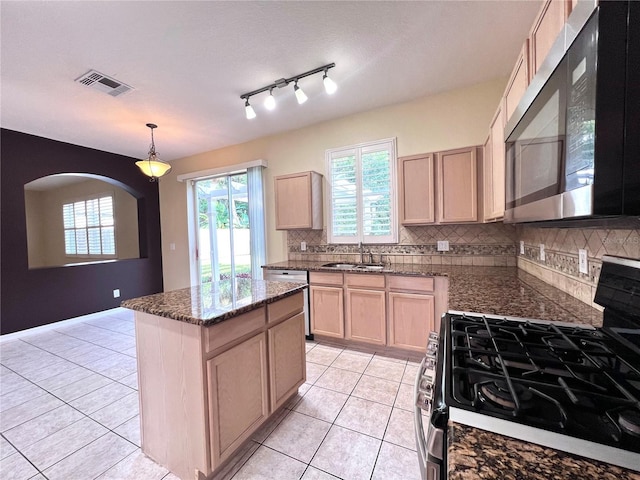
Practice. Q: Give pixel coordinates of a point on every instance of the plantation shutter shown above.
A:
(362, 194)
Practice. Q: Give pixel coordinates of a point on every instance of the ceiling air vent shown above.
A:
(103, 83)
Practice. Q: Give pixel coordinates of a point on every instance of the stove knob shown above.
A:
(430, 364)
(424, 402)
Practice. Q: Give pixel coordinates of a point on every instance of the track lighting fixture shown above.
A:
(248, 110)
(270, 102)
(152, 166)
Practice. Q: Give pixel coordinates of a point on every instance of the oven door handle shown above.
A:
(421, 443)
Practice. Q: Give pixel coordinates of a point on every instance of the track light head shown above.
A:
(248, 110)
(300, 95)
(270, 101)
(329, 85)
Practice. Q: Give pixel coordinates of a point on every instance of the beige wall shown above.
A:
(45, 229)
(453, 119)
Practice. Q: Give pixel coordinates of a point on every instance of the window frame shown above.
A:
(359, 149)
(85, 199)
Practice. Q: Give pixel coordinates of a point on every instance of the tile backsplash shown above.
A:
(487, 244)
(561, 245)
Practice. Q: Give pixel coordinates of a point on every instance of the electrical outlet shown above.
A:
(172, 246)
(116, 293)
(521, 247)
(583, 266)
(542, 255)
(303, 246)
(443, 245)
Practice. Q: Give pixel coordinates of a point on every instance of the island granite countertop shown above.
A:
(212, 303)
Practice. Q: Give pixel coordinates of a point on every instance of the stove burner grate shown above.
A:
(498, 392)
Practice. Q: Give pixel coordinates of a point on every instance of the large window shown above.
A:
(89, 227)
(362, 203)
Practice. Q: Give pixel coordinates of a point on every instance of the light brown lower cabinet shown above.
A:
(411, 318)
(366, 316)
(238, 401)
(286, 359)
(390, 310)
(327, 310)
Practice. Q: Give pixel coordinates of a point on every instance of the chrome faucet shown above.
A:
(360, 246)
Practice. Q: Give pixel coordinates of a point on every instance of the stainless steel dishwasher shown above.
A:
(294, 276)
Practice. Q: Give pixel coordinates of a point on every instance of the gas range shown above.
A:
(571, 387)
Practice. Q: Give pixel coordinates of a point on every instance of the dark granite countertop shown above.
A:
(215, 302)
(496, 290)
(478, 454)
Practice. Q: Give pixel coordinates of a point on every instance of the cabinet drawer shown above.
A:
(285, 308)
(418, 284)
(224, 333)
(363, 280)
(326, 278)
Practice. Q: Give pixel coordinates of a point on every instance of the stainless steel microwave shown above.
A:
(573, 144)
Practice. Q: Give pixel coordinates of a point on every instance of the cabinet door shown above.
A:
(298, 201)
(327, 312)
(416, 192)
(457, 186)
(366, 316)
(546, 28)
(411, 318)
(487, 180)
(238, 401)
(287, 358)
(518, 82)
(497, 165)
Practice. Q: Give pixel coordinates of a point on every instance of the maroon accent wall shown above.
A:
(30, 298)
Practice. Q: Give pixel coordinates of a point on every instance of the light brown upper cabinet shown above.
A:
(518, 81)
(416, 192)
(494, 169)
(546, 28)
(457, 185)
(299, 201)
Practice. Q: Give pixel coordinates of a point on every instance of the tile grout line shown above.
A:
(85, 415)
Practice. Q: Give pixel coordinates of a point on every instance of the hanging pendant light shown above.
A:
(152, 166)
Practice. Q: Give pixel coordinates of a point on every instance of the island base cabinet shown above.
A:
(238, 400)
(411, 318)
(286, 359)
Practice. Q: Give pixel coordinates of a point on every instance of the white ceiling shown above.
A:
(189, 61)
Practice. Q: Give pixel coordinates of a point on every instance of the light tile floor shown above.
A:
(69, 410)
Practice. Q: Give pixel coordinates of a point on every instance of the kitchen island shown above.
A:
(214, 363)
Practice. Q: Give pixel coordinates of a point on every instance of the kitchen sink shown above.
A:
(359, 266)
(375, 267)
